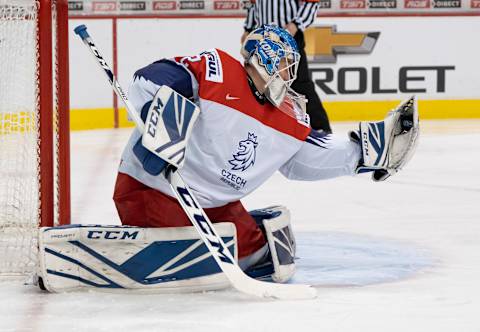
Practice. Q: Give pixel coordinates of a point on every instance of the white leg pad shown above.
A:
(281, 242)
(112, 258)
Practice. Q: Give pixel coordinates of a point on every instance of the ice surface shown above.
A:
(403, 255)
(343, 259)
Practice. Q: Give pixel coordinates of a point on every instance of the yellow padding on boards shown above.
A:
(103, 118)
(97, 118)
(428, 109)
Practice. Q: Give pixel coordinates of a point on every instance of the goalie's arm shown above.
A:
(323, 157)
(147, 81)
(382, 147)
(178, 118)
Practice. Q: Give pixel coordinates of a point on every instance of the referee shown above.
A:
(294, 16)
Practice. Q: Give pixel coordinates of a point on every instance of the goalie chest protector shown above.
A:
(237, 142)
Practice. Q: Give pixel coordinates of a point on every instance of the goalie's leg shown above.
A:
(278, 263)
(171, 259)
(266, 245)
(142, 206)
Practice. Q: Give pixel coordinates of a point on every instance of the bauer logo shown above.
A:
(245, 156)
(192, 5)
(104, 6)
(213, 70)
(382, 4)
(447, 4)
(164, 5)
(75, 5)
(475, 4)
(417, 4)
(353, 4)
(226, 5)
(132, 5)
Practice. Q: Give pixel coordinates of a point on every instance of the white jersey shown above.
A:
(237, 142)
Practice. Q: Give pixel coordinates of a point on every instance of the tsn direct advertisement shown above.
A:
(209, 7)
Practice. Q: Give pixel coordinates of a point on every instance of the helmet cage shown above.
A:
(273, 53)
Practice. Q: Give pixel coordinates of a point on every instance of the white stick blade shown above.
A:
(247, 285)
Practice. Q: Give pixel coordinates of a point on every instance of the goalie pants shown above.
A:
(142, 206)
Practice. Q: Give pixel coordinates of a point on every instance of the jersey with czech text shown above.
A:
(238, 141)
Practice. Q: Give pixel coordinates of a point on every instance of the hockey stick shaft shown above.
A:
(81, 31)
(197, 215)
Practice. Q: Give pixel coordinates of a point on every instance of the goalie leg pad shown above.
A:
(281, 241)
(170, 259)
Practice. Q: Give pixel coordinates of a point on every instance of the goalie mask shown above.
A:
(274, 54)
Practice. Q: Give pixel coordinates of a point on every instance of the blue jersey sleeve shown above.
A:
(166, 72)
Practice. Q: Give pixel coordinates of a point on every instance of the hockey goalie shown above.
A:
(250, 124)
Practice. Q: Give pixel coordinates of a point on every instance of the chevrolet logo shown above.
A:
(323, 43)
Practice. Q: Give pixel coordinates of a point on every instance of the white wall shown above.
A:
(403, 41)
(88, 85)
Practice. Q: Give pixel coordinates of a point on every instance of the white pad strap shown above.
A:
(281, 242)
(170, 259)
(168, 125)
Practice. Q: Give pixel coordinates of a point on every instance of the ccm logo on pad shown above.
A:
(112, 235)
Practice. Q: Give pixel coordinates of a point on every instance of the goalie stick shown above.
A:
(238, 279)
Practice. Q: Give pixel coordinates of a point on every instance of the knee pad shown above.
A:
(275, 224)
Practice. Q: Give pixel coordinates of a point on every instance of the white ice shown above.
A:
(403, 255)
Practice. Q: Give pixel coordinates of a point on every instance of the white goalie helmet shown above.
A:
(274, 54)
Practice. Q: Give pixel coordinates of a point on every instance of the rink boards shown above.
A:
(431, 57)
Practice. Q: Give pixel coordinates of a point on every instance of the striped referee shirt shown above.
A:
(281, 12)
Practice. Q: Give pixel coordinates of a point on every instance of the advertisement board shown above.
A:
(361, 66)
(80, 8)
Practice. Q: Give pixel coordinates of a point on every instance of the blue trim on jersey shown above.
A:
(320, 139)
(166, 72)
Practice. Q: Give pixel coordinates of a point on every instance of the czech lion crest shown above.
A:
(245, 156)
